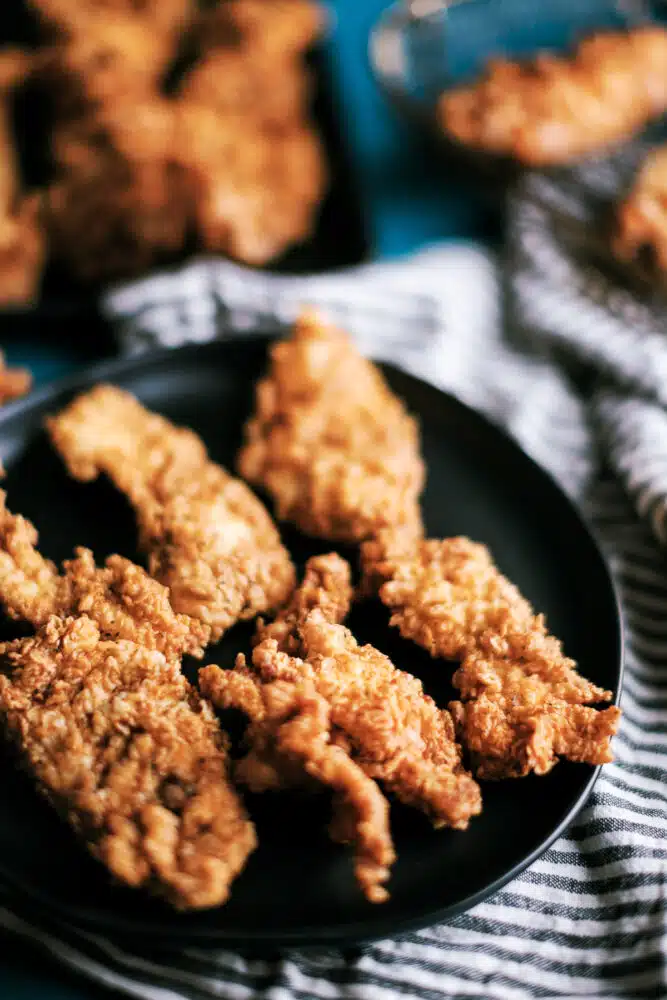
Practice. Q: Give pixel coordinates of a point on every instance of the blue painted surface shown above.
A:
(410, 204)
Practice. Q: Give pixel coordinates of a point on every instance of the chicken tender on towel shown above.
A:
(208, 538)
(360, 703)
(330, 443)
(122, 599)
(522, 703)
(127, 751)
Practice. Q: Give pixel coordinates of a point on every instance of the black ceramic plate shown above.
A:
(298, 888)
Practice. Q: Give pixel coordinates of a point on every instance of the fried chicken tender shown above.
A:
(641, 217)
(553, 109)
(129, 754)
(290, 742)
(334, 448)
(522, 703)
(121, 598)
(289, 738)
(208, 538)
(272, 30)
(359, 704)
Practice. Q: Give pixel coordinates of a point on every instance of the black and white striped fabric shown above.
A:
(589, 919)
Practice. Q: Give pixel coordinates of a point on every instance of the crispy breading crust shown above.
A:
(122, 599)
(290, 737)
(126, 750)
(306, 664)
(330, 443)
(553, 109)
(208, 538)
(290, 740)
(522, 703)
(326, 585)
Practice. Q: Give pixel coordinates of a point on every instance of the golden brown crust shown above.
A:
(330, 443)
(553, 109)
(208, 538)
(290, 741)
(521, 699)
(130, 755)
(327, 586)
(121, 598)
(382, 717)
(324, 708)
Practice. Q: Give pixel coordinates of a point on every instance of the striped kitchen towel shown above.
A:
(589, 918)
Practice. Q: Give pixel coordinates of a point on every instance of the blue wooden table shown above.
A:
(410, 204)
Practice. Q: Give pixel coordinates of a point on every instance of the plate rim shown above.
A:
(375, 927)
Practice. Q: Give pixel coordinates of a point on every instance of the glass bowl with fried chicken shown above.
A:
(505, 85)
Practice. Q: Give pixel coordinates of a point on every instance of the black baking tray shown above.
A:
(340, 238)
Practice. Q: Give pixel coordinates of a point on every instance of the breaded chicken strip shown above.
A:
(553, 109)
(289, 738)
(121, 598)
(129, 754)
(208, 538)
(291, 745)
(522, 703)
(378, 715)
(329, 441)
